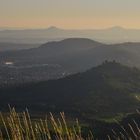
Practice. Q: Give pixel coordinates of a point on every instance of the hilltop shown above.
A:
(103, 91)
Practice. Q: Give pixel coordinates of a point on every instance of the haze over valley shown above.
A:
(69, 70)
(61, 58)
(115, 34)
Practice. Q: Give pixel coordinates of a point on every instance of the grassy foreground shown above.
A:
(15, 126)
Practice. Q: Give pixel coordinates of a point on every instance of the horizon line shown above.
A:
(56, 27)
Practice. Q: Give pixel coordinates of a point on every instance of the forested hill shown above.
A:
(105, 90)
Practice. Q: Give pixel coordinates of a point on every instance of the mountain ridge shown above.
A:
(106, 90)
(114, 34)
(61, 58)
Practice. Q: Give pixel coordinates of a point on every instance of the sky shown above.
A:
(70, 14)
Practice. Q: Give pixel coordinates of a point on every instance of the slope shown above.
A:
(106, 90)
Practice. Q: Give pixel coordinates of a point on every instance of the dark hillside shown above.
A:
(106, 90)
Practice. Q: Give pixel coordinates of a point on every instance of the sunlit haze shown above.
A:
(77, 14)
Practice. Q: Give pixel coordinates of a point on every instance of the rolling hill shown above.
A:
(75, 54)
(103, 91)
(57, 59)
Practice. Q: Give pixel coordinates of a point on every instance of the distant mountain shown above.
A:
(110, 35)
(49, 61)
(57, 59)
(69, 54)
(106, 90)
(75, 54)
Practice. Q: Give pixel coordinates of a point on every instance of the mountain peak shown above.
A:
(52, 28)
(76, 42)
(116, 28)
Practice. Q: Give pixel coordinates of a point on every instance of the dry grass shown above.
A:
(20, 127)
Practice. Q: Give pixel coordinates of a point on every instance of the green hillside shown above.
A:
(104, 91)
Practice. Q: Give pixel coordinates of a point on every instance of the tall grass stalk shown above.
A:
(21, 127)
(15, 126)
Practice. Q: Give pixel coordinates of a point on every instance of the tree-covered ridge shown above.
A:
(103, 91)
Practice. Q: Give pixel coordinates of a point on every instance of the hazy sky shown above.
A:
(70, 13)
